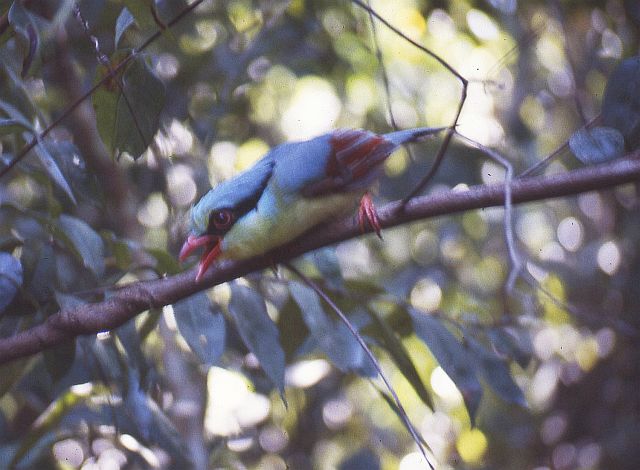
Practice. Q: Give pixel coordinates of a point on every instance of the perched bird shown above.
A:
(292, 188)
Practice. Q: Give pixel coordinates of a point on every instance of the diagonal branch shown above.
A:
(127, 301)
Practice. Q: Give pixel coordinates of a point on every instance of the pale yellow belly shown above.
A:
(263, 229)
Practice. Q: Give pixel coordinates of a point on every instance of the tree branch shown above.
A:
(127, 301)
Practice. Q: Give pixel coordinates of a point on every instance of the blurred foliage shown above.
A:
(260, 373)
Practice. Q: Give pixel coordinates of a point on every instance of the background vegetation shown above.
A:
(496, 366)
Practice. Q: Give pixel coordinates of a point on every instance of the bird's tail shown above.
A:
(411, 135)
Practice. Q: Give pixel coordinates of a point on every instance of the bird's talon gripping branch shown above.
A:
(367, 214)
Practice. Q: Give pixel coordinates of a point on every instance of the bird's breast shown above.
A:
(279, 218)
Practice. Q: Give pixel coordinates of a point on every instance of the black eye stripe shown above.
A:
(242, 206)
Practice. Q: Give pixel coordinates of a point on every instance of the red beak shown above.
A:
(211, 252)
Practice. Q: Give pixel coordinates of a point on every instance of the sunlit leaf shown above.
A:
(401, 357)
(128, 108)
(621, 103)
(142, 12)
(165, 262)
(48, 421)
(597, 145)
(10, 279)
(258, 332)
(452, 356)
(125, 20)
(335, 340)
(85, 243)
(202, 326)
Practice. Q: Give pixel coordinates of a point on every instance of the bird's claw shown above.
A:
(367, 214)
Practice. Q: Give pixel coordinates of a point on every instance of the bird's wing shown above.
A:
(354, 156)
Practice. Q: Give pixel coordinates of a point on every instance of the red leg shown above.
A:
(367, 214)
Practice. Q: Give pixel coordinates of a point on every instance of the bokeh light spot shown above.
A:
(471, 445)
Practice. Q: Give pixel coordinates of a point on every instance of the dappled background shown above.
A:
(543, 375)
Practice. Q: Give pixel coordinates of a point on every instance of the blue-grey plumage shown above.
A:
(291, 189)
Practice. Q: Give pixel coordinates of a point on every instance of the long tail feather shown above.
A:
(411, 135)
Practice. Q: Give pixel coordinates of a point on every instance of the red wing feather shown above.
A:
(355, 155)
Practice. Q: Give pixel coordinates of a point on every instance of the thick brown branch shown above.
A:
(128, 301)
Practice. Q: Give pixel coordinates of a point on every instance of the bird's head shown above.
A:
(218, 210)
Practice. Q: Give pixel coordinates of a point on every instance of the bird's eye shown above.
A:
(222, 219)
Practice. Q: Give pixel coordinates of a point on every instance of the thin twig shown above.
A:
(620, 326)
(385, 78)
(363, 345)
(152, 38)
(106, 63)
(383, 68)
(544, 162)
(514, 257)
(463, 96)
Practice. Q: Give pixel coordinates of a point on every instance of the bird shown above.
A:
(292, 188)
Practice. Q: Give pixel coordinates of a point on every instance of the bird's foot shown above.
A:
(367, 214)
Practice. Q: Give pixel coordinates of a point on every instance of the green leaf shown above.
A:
(152, 425)
(292, 328)
(597, 145)
(128, 336)
(84, 242)
(10, 279)
(39, 262)
(258, 332)
(128, 108)
(72, 166)
(124, 21)
(142, 12)
(48, 421)
(12, 372)
(401, 357)
(327, 263)
(452, 356)
(12, 126)
(335, 340)
(104, 358)
(51, 167)
(621, 103)
(496, 373)
(25, 26)
(165, 262)
(202, 326)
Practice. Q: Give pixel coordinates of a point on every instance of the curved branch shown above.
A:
(127, 301)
